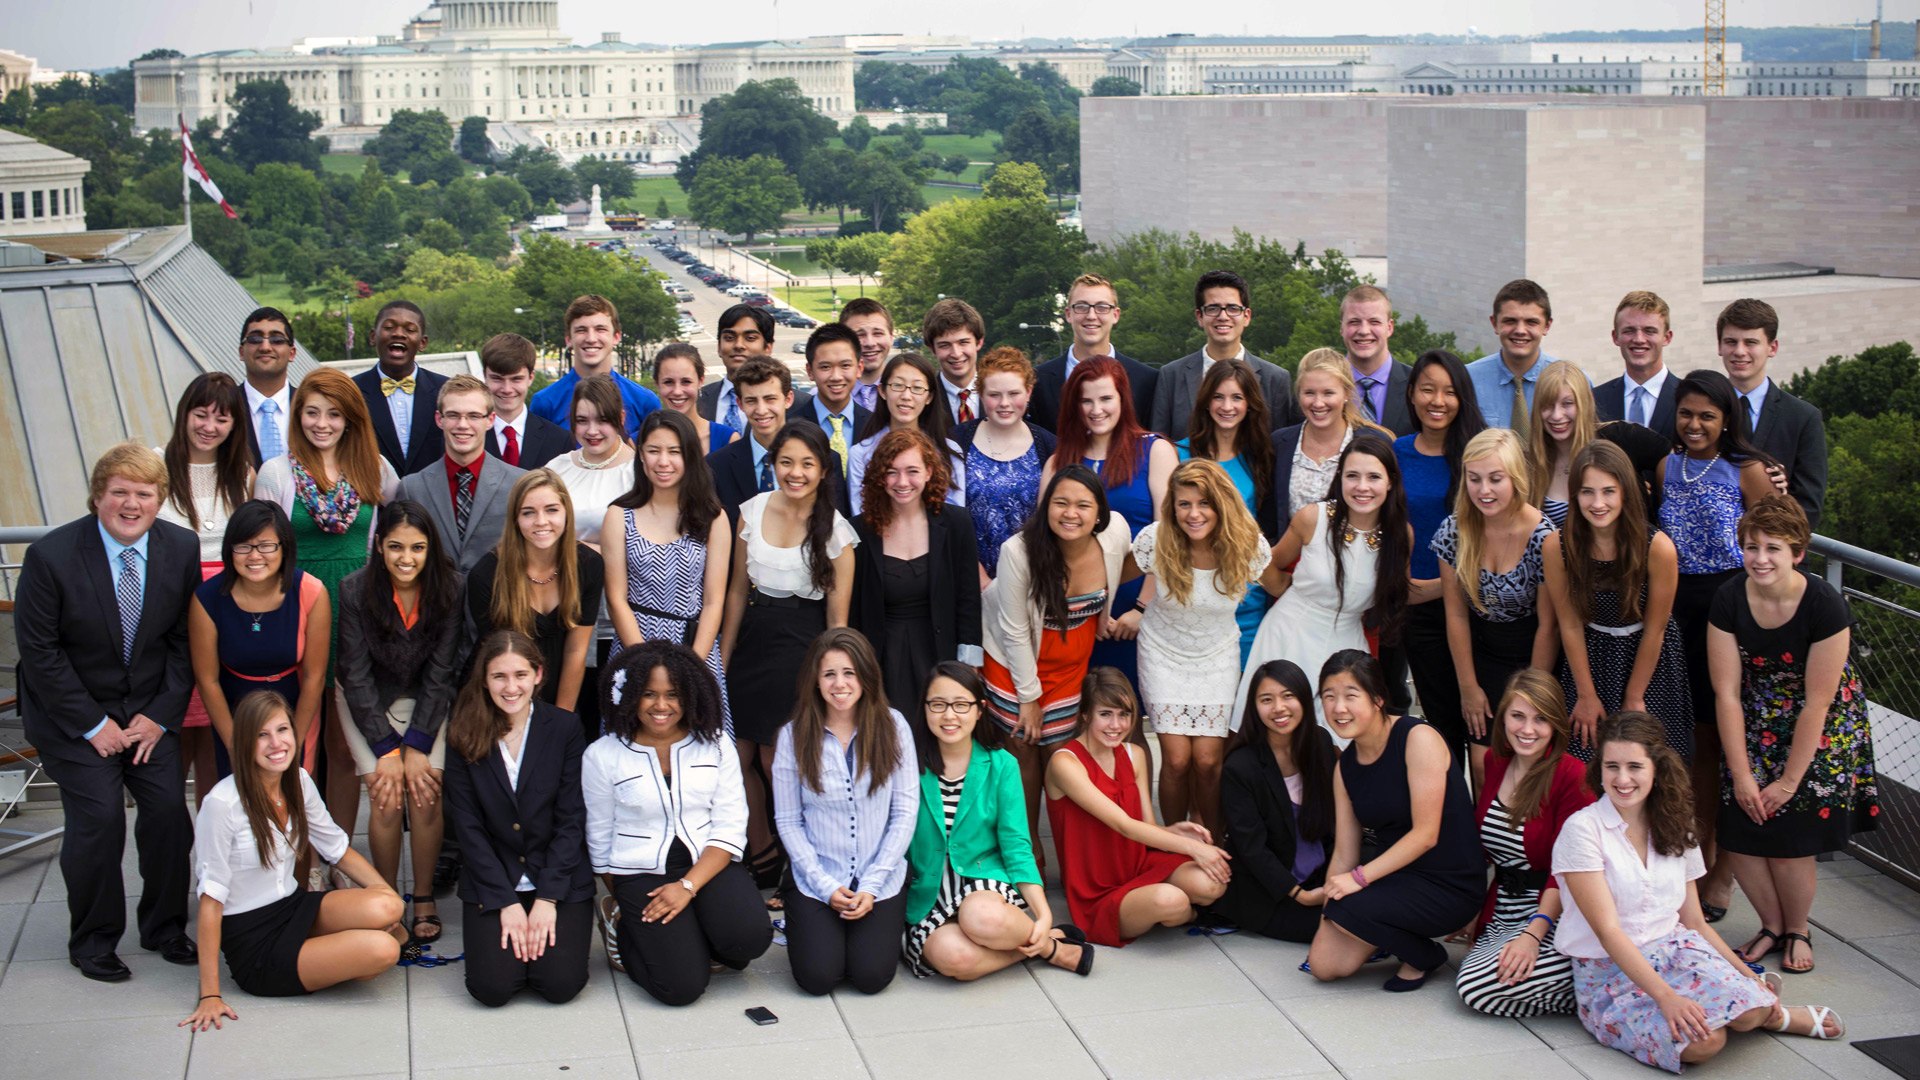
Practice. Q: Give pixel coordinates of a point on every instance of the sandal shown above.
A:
(607, 913)
(1085, 966)
(1713, 912)
(1787, 941)
(413, 932)
(1819, 1014)
(1773, 946)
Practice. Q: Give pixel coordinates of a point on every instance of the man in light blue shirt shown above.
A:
(1504, 381)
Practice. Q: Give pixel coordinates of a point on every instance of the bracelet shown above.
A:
(1538, 915)
(204, 997)
(1539, 940)
(1295, 894)
(1358, 875)
(1140, 605)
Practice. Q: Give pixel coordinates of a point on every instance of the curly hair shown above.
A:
(1235, 534)
(1542, 692)
(1780, 517)
(626, 676)
(1005, 360)
(1669, 810)
(876, 504)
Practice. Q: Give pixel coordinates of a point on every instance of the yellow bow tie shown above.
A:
(388, 386)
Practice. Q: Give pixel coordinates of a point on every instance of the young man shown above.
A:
(1642, 330)
(1093, 308)
(1221, 308)
(517, 436)
(593, 333)
(400, 394)
(873, 325)
(955, 331)
(1504, 380)
(266, 348)
(833, 363)
(1366, 325)
(101, 621)
(1788, 430)
(745, 333)
(742, 469)
(465, 492)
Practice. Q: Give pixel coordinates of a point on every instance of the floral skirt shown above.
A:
(1838, 795)
(1625, 1017)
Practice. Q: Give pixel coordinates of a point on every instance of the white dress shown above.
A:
(1309, 623)
(207, 505)
(1190, 653)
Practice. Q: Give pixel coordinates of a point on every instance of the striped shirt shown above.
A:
(846, 835)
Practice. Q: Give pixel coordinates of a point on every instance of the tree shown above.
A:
(954, 165)
(474, 144)
(857, 133)
(1114, 86)
(267, 127)
(772, 118)
(1008, 257)
(880, 185)
(411, 137)
(285, 199)
(661, 211)
(381, 223)
(1884, 378)
(221, 237)
(615, 178)
(911, 140)
(103, 136)
(1056, 92)
(16, 107)
(467, 208)
(441, 236)
(826, 178)
(1016, 180)
(1873, 487)
(436, 271)
(742, 196)
(508, 196)
(539, 170)
(862, 255)
(551, 272)
(823, 251)
(1049, 141)
(440, 167)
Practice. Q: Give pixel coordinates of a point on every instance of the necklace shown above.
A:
(256, 620)
(612, 460)
(1685, 479)
(548, 580)
(1348, 534)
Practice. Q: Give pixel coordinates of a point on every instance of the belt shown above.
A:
(1618, 631)
(1517, 882)
(757, 598)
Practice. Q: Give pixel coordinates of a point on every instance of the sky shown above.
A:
(114, 31)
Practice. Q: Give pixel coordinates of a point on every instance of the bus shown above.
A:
(626, 222)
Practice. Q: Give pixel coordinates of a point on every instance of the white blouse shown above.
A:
(229, 864)
(782, 571)
(592, 490)
(512, 763)
(207, 505)
(1312, 481)
(1646, 897)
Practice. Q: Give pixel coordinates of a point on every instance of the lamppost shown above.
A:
(560, 350)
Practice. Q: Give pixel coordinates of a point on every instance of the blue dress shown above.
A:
(257, 651)
(1002, 495)
(1253, 606)
(1134, 502)
(718, 436)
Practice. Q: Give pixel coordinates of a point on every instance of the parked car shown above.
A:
(664, 225)
(800, 346)
(742, 291)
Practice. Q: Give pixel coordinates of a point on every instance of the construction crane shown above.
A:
(1714, 65)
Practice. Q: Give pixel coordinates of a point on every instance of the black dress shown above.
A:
(1613, 646)
(908, 652)
(547, 631)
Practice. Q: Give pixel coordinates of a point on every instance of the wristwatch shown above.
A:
(688, 885)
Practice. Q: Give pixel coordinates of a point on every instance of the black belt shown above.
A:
(757, 598)
(1517, 882)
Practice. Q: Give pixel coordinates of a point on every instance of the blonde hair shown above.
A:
(1503, 446)
(130, 460)
(1333, 363)
(1235, 539)
(512, 607)
(462, 383)
(1560, 377)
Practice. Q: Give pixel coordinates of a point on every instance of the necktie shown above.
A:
(1638, 413)
(839, 439)
(766, 473)
(463, 506)
(1746, 412)
(1519, 423)
(1367, 383)
(732, 417)
(127, 592)
(511, 455)
(966, 410)
(271, 443)
(388, 386)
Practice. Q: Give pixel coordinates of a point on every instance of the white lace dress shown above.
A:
(1190, 653)
(1309, 623)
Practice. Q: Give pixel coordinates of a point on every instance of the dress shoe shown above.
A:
(106, 967)
(178, 949)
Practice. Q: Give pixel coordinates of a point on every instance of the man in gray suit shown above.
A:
(1380, 381)
(465, 492)
(1787, 429)
(1220, 306)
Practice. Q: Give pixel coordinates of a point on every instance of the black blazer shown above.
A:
(545, 441)
(1274, 519)
(708, 402)
(803, 410)
(734, 480)
(1610, 403)
(426, 443)
(1258, 815)
(538, 829)
(953, 566)
(1050, 384)
(1398, 418)
(1794, 434)
(67, 622)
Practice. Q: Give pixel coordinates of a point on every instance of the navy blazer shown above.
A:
(538, 829)
(545, 441)
(425, 443)
(1610, 403)
(1050, 384)
(1793, 433)
(708, 401)
(734, 479)
(804, 410)
(953, 566)
(1273, 520)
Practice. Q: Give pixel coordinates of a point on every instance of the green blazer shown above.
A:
(989, 838)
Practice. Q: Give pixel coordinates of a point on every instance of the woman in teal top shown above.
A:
(974, 902)
(1229, 426)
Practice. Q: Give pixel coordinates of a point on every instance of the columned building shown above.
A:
(40, 188)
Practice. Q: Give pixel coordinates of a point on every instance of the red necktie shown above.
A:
(511, 455)
(966, 410)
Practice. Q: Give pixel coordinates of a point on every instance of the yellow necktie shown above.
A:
(388, 386)
(1520, 408)
(839, 440)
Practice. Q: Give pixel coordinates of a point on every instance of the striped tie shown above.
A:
(271, 443)
(127, 592)
(463, 506)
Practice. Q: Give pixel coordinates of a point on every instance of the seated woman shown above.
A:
(513, 803)
(667, 824)
(1533, 786)
(974, 900)
(1397, 779)
(254, 826)
(1123, 873)
(1276, 800)
(844, 799)
(1650, 977)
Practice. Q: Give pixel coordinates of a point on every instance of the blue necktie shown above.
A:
(732, 419)
(271, 444)
(766, 473)
(1638, 414)
(127, 592)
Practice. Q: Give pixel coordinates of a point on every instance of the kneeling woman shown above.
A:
(667, 824)
(1276, 799)
(844, 801)
(1123, 873)
(1397, 779)
(513, 803)
(1651, 978)
(253, 828)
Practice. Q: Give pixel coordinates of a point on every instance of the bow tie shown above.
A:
(388, 386)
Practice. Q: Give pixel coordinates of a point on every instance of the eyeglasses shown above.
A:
(248, 549)
(1084, 308)
(907, 389)
(959, 708)
(469, 417)
(1214, 311)
(258, 338)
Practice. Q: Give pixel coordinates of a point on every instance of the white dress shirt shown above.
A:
(228, 861)
(1651, 388)
(519, 426)
(634, 814)
(1646, 898)
(282, 403)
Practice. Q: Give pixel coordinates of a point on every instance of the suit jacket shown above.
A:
(538, 828)
(954, 570)
(545, 440)
(803, 410)
(989, 838)
(735, 481)
(1794, 434)
(708, 403)
(425, 443)
(1397, 418)
(1177, 387)
(485, 521)
(1610, 403)
(1271, 512)
(1260, 832)
(67, 624)
(1051, 383)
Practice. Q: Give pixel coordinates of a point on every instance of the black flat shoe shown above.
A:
(1085, 966)
(178, 949)
(106, 967)
(1713, 914)
(1071, 934)
(1398, 985)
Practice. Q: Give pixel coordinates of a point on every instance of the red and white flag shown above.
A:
(196, 172)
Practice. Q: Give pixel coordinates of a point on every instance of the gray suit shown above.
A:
(1179, 384)
(485, 521)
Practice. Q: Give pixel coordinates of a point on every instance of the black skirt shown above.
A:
(763, 678)
(1499, 650)
(263, 946)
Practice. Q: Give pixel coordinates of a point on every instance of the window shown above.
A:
(19, 205)
(39, 204)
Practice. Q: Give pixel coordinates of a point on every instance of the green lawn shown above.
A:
(976, 147)
(817, 300)
(355, 164)
(936, 194)
(647, 191)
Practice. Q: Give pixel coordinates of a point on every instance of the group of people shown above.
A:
(722, 638)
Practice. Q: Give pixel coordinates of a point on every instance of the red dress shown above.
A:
(1098, 866)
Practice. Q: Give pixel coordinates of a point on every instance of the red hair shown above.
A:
(1123, 458)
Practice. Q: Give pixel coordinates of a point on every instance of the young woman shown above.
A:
(1612, 577)
(400, 642)
(1123, 873)
(1650, 977)
(602, 469)
(541, 582)
(1441, 400)
(1421, 874)
(1306, 455)
(974, 903)
(845, 798)
(1041, 615)
(334, 474)
(1276, 800)
(678, 373)
(1229, 428)
(514, 804)
(1710, 480)
(1565, 422)
(1492, 566)
(1005, 454)
(1203, 554)
(792, 579)
(916, 573)
(907, 387)
(667, 824)
(1349, 556)
(1533, 786)
(279, 940)
(1793, 721)
(260, 624)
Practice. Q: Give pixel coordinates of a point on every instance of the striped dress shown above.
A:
(953, 889)
(1549, 989)
(665, 587)
(1063, 655)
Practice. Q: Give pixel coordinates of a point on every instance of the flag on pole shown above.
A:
(196, 172)
(349, 349)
